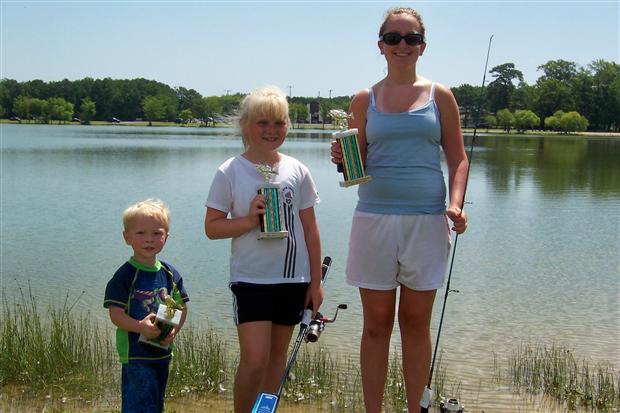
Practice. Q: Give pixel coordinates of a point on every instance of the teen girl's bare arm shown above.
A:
(218, 225)
(359, 107)
(456, 158)
(313, 243)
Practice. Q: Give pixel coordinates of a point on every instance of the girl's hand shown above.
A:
(458, 218)
(336, 153)
(148, 328)
(314, 296)
(257, 208)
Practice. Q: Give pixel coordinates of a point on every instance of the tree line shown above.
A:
(565, 97)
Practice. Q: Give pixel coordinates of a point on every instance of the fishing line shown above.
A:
(427, 395)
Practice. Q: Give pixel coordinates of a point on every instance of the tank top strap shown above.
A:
(431, 96)
(371, 103)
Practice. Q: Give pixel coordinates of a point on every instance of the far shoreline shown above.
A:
(317, 126)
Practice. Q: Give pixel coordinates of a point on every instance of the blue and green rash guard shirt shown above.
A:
(139, 290)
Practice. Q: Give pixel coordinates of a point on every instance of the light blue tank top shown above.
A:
(404, 162)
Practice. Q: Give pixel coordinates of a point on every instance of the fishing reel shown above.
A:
(451, 405)
(317, 325)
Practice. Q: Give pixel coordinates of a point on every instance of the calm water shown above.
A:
(539, 264)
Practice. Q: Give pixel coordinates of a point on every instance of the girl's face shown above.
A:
(402, 53)
(265, 134)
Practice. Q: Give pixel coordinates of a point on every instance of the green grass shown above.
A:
(57, 354)
(555, 371)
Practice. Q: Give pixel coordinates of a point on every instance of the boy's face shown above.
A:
(147, 236)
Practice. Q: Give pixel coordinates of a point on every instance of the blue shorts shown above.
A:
(279, 303)
(143, 386)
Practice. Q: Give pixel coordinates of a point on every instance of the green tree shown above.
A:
(154, 109)
(491, 121)
(560, 70)
(59, 109)
(525, 119)
(500, 90)
(467, 97)
(605, 94)
(21, 107)
(553, 95)
(88, 109)
(573, 122)
(505, 119)
(553, 122)
(186, 115)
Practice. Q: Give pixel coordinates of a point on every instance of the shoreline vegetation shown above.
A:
(55, 360)
(310, 126)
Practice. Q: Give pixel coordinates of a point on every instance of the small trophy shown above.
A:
(272, 221)
(168, 316)
(352, 166)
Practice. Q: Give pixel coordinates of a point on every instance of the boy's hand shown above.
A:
(170, 337)
(148, 328)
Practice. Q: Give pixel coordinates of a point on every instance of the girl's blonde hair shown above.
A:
(401, 10)
(152, 207)
(269, 102)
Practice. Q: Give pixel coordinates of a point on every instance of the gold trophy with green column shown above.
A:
(272, 221)
(352, 166)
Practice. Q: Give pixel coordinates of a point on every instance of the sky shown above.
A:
(311, 48)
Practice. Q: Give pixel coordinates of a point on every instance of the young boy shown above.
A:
(133, 296)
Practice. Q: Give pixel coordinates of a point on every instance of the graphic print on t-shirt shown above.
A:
(288, 194)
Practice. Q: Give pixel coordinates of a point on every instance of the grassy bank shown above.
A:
(63, 361)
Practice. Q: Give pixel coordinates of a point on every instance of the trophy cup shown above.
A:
(272, 221)
(168, 316)
(352, 166)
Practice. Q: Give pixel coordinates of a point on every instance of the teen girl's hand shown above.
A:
(336, 153)
(148, 328)
(458, 218)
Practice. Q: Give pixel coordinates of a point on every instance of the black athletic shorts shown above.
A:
(279, 303)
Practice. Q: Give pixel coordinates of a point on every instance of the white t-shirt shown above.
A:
(265, 261)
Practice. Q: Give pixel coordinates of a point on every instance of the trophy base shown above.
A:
(357, 181)
(271, 235)
(165, 325)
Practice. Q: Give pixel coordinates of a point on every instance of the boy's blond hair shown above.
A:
(267, 101)
(151, 207)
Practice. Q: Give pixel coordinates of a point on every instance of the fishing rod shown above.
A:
(310, 330)
(452, 405)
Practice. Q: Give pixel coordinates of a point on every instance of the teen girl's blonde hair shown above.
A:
(401, 10)
(268, 102)
(152, 207)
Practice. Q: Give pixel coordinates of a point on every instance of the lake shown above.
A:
(540, 262)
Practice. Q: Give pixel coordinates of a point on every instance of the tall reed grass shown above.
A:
(556, 372)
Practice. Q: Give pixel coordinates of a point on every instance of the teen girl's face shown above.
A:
(265, 134)
(147, 236)
(402, 53)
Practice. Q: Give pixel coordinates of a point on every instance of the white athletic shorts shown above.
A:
(386, 251)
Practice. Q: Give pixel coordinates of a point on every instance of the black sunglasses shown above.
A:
(393, 38)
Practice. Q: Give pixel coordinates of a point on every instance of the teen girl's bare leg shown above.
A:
(414, 318)
(280, 339)
(379, 312)
(254, 348)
